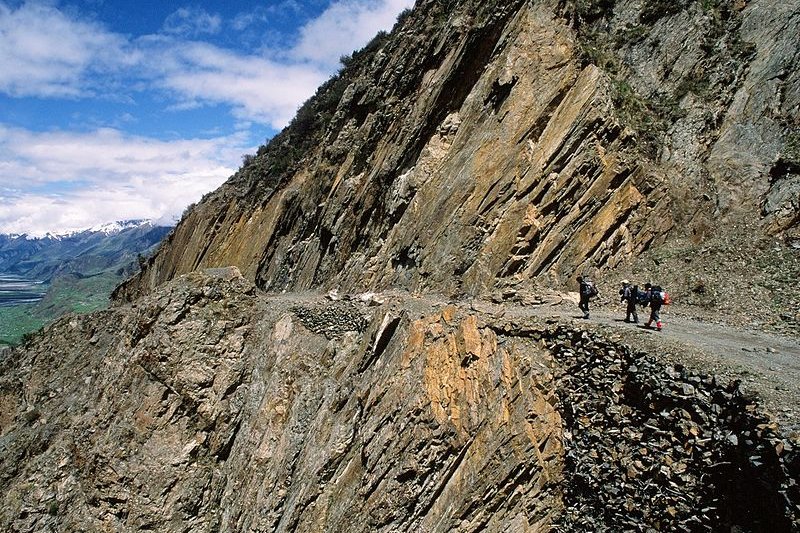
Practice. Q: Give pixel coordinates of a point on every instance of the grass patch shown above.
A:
(67, 294)
(71, 294)
(17, 321)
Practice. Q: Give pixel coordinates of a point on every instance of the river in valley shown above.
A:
(16, 290)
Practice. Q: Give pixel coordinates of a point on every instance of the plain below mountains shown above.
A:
(44, 278)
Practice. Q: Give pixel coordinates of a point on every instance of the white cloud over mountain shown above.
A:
(46, 53)
(344, 27)
(256, 88)
(65, 179)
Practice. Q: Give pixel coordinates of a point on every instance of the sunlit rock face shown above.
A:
(480, 144)
(484, 142)
(206, 407)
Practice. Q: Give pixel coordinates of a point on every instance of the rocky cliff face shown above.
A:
(485, 143)
(480, 144)
(208, 406)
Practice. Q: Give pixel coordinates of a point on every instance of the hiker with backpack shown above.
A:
(630, 294)
(586, 291)
(656, 297)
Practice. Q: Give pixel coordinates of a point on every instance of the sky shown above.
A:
(133, 109)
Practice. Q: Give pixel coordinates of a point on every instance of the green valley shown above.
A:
(44, 278)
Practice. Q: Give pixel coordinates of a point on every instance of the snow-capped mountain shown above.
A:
(108, 228)
(81, 252)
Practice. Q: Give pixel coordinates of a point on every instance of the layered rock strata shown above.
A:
(210, 407)
(486, 141)
(481, 143)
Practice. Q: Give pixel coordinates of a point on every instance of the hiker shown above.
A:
(629, 294)
(655, 299)
(586, 291)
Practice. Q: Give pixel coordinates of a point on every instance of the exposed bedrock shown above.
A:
(209, 407)
(490, 141)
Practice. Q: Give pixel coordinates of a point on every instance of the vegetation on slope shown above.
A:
(80, 272)
(605, 43)
(275, 161)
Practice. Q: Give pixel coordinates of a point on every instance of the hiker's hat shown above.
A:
(625, 282)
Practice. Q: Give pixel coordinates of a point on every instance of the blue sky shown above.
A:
(122, 109)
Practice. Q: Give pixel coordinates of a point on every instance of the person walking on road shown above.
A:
(629, 294)
(586, 291)
(655, 299)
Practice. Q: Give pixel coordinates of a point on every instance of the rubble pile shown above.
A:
(332, 319)
(655, 448)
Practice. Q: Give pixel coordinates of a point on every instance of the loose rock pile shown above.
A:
(654, 448)
(331, 320)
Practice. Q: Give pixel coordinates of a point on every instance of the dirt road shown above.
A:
(767, 364)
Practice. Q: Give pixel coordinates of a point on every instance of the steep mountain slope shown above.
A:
(487, 143)
(481, 144)
(208, 406)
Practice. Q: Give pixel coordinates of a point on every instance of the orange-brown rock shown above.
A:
(481, 144)
(488, 142)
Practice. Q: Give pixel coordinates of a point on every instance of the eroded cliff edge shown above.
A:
(480, 144)
(207, 406)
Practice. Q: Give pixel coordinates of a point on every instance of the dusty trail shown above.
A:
(757, 351)
(767, 364)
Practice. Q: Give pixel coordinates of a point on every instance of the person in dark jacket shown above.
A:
(629, 294)
(654, 301)
(586, 290)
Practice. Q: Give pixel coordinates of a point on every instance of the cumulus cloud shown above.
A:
(263, 89)
(67, 180)
(104, 176)
(345, 26)
(256, 88)
(45, 53)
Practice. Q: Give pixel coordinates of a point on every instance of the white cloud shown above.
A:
(104, 176)
(346, 26)
(256, 88)
(262, 13)
(62, 180)
(191, 22)
(263, 89)
(45, 53)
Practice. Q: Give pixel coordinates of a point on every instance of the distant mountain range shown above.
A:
(82, 252)
(42, 278)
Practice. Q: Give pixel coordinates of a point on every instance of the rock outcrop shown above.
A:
(207, 406)
(491, 141)
(481, 144)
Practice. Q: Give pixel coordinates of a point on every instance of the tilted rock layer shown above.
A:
(206, 408)
(491, 141)
(482, 143)
(209, 407)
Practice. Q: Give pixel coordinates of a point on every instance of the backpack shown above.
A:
(660, 295)
(632, 293)
(641, 298)
(589, 288)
